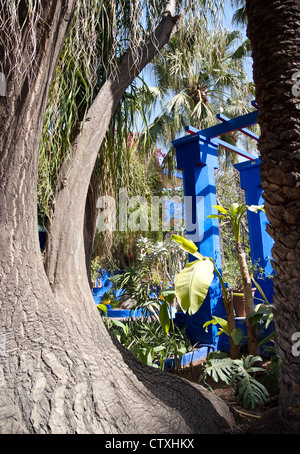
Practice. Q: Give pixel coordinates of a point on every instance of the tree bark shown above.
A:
(60, 371)
(249, 300)
(273, 28)
(90, 227)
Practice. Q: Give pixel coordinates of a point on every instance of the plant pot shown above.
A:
(238, 302)
(239, 305)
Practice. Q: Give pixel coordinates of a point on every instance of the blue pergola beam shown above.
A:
(223, 128)
(245, 131)
(191, 130)
(220, 142)
(235, 150)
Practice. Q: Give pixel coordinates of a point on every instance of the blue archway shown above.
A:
(197, 158)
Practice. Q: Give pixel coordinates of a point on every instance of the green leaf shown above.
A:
(250, 393)
(233, 209)
(222, 369)
(215, 216)
(221, 321)
(187, 245)
(237, 336)
(267, 339)
(168, 295)
(192, 284)
(260, 289)
(220, 208)
(150, 357)
(120, 324)
(103, 308)
(164, 317)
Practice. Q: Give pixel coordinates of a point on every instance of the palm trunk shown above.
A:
(60, 371)
(275, 33)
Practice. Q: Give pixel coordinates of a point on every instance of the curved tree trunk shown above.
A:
(60, 371)
(90, 224)
(273, 28)
(65, 253)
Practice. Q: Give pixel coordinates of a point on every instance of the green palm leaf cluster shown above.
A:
(199, 74)
(240, 15)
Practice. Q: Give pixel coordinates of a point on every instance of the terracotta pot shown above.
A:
(238, 301)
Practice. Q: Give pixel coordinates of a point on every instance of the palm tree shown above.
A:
(276, 56)
(199, 73)
(240, 16)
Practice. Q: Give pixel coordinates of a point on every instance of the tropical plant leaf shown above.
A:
(168, 295)
(102, 308)
(187, 245)
(259, 289)
(220, 208)
(221, 321)
(269, 338)
(164, 317)
(216, 216)
(250, 393)
(192, 284)
(222, 369)
(121, 325)
(237, 336)
(233, 209)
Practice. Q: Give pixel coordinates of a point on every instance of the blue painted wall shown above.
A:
(260, 241)
(197, 158)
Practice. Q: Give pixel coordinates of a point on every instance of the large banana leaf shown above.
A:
(192, 284)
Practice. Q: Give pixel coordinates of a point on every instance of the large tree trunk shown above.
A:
(60, 371)
(273, 28)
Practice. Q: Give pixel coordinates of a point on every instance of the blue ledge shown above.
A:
(189, 358)
(124, 313)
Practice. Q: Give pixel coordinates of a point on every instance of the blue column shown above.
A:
(197, 158)
(260, 241)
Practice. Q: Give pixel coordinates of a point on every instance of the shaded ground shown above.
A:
(264, 420)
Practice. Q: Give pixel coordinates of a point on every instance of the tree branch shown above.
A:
(170, 8)
(75, 174)
(105, 103)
